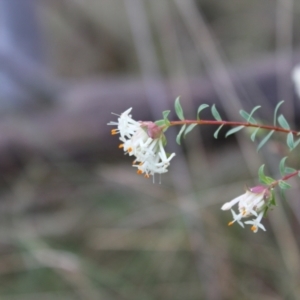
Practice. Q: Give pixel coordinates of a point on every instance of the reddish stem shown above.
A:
(286, 177)
(230, 123)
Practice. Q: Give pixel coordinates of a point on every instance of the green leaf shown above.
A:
(165, 114)
(160, 122)
(276, 110)
(253, 135)
(289, 170)
(284, 185)
(179, 134)
(290, 141)
(282, 166)
(263, 178)
(296, 143)
(217, 131)
(264, 140)
(272, 201)
(283, 122)
(252, 112)
(261, 174)
(164, 140)
(189, 129)
(178, 109)
(247, 117)
(215, 113)
(234, 130)
(200, 108)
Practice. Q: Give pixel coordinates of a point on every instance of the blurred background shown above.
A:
(76, 221)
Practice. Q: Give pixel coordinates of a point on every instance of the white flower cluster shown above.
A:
(252, 203)
(149, 152)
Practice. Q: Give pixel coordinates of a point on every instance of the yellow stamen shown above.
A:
(230, 223)
(253, 228)
(121, 145)
(139, 172)
(114, 131)
(146, 176)
(129, 149)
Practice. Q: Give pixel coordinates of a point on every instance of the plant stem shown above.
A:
(284, 178)
(233, 124)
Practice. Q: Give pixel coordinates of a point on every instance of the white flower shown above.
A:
(256, 223)
(145, 141)
(252, 203)
(236, 218)
(126, 125)
(156, 162)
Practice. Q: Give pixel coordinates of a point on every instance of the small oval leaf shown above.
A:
(179, 134)
(189, 129)
(160, 122)
(283, 122)
(253, 111)
(247, 117)
(200, 108)
(166, 114)
(290, 141)
(234, 130)
(296, 143)
(217, 131)
(178, 109)
(282, 166)
(215, 113)
(284, 185)
(264, 140)
(276, 110)
(289, 170)
(253, 135)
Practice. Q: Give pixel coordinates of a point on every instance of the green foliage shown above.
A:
(189, 129)
(263, 178)
(178, 138)
(284, 185)
(271, 202)
(248, 117)
(234, 130)
(160, 122)
(282, 166)
(165, 121)
(217, 131)
(288, 170)
(290, 141)
(283, 169)
(264, 140)
(164, 140)
(165, 116)
(200, 108)
(276, 110)
(178, 109)
(253, 135)
(215, 113)
(283, 122)
(296, 143)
